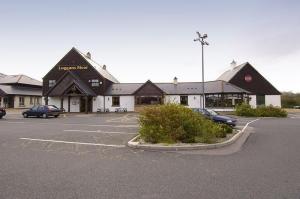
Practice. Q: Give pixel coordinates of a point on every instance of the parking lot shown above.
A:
(85, 156)
(72, 133)
(76, 133)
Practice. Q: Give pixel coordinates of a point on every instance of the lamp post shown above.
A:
(203, 43)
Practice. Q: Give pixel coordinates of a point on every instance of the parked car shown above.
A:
(216, 117)
(2, 112)
(42, 111)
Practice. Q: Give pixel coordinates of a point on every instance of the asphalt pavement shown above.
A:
(85, 156)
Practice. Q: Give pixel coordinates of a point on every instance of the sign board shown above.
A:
(72, 67)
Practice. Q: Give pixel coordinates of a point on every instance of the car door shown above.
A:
(40, 111)
(32, 111)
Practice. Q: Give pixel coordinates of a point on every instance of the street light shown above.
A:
(203, 43)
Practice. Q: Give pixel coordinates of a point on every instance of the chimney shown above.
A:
(104, 67)
(233, 64)
(88, 54)
(175, 81)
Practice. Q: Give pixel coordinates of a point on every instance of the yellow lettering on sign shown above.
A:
(72, 67)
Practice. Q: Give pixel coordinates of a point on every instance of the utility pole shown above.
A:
(203, 43)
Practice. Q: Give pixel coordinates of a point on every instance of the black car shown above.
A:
(216, 117)
(42, 111)
(2, 112)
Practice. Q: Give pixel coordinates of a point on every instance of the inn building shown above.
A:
(79, 84)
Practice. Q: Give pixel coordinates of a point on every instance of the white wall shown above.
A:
(274, 100)
(54, 101)
(193, 100)
(125, 102)
(172, 99)
(252, 101)
(98, 103)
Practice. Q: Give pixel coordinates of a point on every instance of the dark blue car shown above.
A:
(216, 117)
(43, 111)
(2, 112)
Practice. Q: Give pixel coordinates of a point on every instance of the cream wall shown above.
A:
(35, 101)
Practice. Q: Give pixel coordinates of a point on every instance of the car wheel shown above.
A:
(1, 117)
(44, 115)
(25, 115)
(56, 116)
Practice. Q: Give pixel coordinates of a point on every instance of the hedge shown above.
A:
(173, 123)
(261, 111)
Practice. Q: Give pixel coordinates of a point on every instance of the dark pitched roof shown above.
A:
(181, 88)
(19, 79)
(66, 81)
(257, 84)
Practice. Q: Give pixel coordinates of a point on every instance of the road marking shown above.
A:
(79, 143)
(248, 124)
(16, 122)
(104, 125)
(97, 131)
(71, 124)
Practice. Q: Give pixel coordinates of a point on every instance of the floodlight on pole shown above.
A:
(203, 43)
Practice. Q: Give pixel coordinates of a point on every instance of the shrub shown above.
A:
(171, 123)
(223, 130)
(245, 110)
(261, 111)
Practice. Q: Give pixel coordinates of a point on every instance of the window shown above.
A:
(115, 101)
(21, 101)
(184, 100)
(52, 83)
(31, 100)
(148, 100)
(94, 82)
(260, 100)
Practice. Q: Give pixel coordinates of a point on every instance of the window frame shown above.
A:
(21, 101)
(186, 97)
(115, 99)
(51, 83)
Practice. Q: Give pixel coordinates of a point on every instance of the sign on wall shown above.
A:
(72, 67)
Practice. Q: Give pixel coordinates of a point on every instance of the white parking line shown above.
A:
(67, 142)
(98, 131)
(105, 125)
(249, 123)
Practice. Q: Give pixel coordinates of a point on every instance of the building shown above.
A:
(19, 91)
(78, 84)
(245, 76)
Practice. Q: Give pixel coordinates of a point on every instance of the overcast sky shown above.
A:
(140, 40)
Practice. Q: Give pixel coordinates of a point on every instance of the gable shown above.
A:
(66, 84)
(74, 62)
(148, 89)
(251, 80)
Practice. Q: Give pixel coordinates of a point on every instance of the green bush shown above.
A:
(171, 123)
(261, 111)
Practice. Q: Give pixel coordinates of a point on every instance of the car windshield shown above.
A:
(211, 112)
(52, 107)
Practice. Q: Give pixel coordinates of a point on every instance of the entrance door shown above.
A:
(83, 101)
